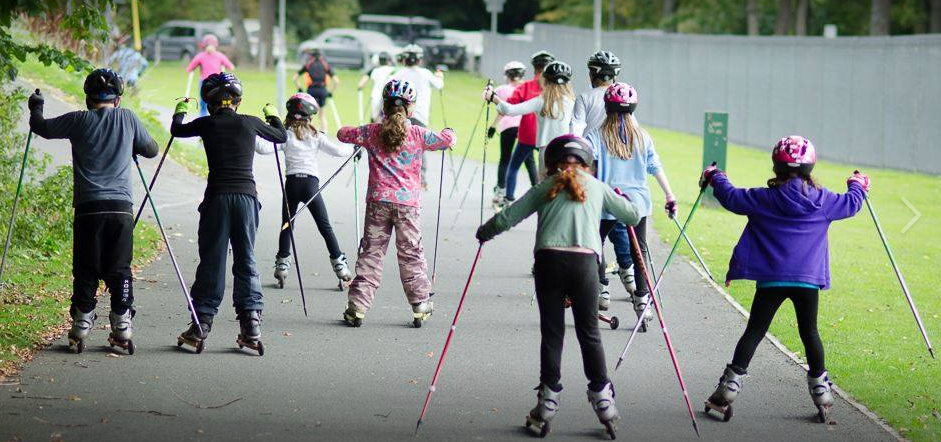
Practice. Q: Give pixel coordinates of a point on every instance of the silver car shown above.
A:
(348, 48)
(180, 39)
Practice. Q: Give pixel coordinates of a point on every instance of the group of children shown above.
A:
(594, 160)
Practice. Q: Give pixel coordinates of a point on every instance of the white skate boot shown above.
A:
(644, 313)
(342, 270)
(281, 268)
(821, 391)
(604, 298)
(421, 312)
(627, 278)
(499, 199)
(122, 330)
(721, 400)
(82, 323)
(547, 404)
(603, 404)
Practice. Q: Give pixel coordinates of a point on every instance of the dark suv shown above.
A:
(422, 31)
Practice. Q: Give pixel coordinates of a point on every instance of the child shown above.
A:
(553, 107)
(423, 81)
(626, 156)
(303, 180)
(526, 138)
(569, 203)
(209, 61)
(393, 200)
(378, 75)
(103, 138)
(509, 129)
(784, 250)
(228, 213)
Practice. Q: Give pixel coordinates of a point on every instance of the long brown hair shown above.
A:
(781, 178)
(567, 180)
(302, 127)
(554, 95)
(620, 131)
(394, 126)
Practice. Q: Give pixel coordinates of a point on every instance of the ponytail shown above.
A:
(620, 131)
(567, 180)
(394, 126)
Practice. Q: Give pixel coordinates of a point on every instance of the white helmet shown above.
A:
(514, 69)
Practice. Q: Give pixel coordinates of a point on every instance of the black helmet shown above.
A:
(540, 59)
(604, 65)
(221, 88)
(568, 145)
(103, 85)
(315, 53)
(384, 58)
(412, 54)
(557, 72)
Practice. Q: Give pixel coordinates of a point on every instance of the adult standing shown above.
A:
(209, 61)
(320, 81)
(423, 81)
(526, 139)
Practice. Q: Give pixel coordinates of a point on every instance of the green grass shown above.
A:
(873, 347)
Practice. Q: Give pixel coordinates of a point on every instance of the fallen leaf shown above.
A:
(430, 354)
(413, 381)
(114, 355)
(74, 398)
(287, 334)
(200, 431)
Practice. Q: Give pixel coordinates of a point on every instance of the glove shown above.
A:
(329, 94)
(182, 106)
(670, 208)
(489, 94)
(482, 235)
(617, 190)
(359, 155)
(707, 175)
(491, 132)
(36, 101)
(860, 178)
(300, 90)
(270, 111)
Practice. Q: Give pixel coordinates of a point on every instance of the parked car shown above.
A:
(179, 39)
(348, 48)
(418, 30)
(473, 42)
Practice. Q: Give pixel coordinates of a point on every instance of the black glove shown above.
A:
(36, 101)
(708, 174)
(491, 131)
(358, 156)
(299, 90)
(482, 235)
(329, 94)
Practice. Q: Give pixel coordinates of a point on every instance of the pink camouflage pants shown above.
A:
(381, 218)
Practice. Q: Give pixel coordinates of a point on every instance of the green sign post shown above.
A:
(715, 140)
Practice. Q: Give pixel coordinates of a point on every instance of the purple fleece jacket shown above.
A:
(786, 235)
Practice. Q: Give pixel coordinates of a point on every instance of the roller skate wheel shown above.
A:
(261, 349)
(611, 429)
(823, 414)
(727, 416)
(130, 347)
(417, 322)
(615, 322)
(200, 346)
(281, 284)
(179, 342)
(643, 326)
(544, 431)
(240, 345)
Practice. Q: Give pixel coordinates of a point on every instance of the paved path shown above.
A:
(323, 381)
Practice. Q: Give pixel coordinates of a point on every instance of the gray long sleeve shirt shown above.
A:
(103, 141)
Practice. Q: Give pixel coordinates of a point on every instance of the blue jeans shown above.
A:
(617, 232)
(203, 109)
(223, 219)
(522, 154)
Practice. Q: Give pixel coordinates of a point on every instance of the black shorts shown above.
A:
(319, 93)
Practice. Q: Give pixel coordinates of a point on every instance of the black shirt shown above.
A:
(229, 140)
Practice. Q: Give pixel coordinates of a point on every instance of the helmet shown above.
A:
(209, 40)
(604, 65)
(620, 97)
(315, 53)
(794, 153)
(301, 106)
(103, 85)
(514, 69)
(221, 88)
(412, 53)
(558, 72)
(567, 145)
(399, 90)
(384, 58)
(541, 59)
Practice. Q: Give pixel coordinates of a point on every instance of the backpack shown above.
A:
(316, 73)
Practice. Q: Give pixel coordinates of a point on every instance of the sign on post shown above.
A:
(494, 6)
(715, 140)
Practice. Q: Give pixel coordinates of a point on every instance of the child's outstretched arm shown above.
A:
(59, 127)
(516, 213)
(845, 205)
(273, 131)
(263, 146)
(620, 206)
(530, 106)
(437, 141)
(334, 149)
(735, 200)
(358, 135)
(655, 168)
(144, 144)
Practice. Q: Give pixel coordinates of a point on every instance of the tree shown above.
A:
(934, 25)
(782, 23)
(308, 18)
(879, 19)
(242, 46)
(267, 9)
(667, 21)
(800, 23)
(751, 10)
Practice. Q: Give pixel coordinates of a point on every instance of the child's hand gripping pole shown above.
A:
(37, 101)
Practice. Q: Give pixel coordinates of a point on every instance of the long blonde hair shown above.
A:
(554, 94)
(620, 131)
(302, 127)
(394, 126)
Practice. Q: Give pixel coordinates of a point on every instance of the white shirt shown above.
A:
(547, 129)
(300, 156)
(422, 81)
(379, 76)
(589, 112)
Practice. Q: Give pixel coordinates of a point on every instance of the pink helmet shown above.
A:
(620, 97)
(792, 153)
(302, 105)
(209, 40)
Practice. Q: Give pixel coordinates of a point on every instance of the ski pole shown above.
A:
(659, 279)
(287, 209)
(663, 326)
(444, 119)
(359, 94)
(163, 158)
(483, 172)
(16, 200)
(898, 274)
(324, 186)
(470, 141)
(189, 84)
(166, 241)
(434, 259)
(447, 342)
(689, 242)
(336, 115)
(359, 106)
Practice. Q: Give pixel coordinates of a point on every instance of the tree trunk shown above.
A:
(934, 25)
(752, 11)
(267, 9)
(800, 22)
(666, 20)
(879, 21)
(243, 52)
(782, 24)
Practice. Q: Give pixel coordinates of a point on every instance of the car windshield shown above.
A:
(428, 31)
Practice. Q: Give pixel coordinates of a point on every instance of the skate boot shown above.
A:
(644, 313)
(421, 312)
(547, 403)
(353, 316)
(342, 269)
(604, 298)
(499, 199)
(195, 336)
(121, 331)
(603, 404)
(281, 267)
(721, 400)
(627, 278)
(250, 334)
(82, 323)
(821, 392)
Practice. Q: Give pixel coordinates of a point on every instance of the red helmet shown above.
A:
(620, 97)
(793, 153)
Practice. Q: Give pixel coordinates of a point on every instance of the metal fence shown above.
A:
(872, 101)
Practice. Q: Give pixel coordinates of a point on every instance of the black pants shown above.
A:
(507, 142)
(320, 94)
(641, 231)
(572, 275)
(299, 189)
(102, 249)
(765, 305)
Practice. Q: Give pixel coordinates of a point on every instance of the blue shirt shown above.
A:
(628, 175)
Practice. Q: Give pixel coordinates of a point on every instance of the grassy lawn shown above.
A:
(873, 347)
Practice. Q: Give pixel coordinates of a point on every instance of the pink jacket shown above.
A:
(209, 63)
(396, 178)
